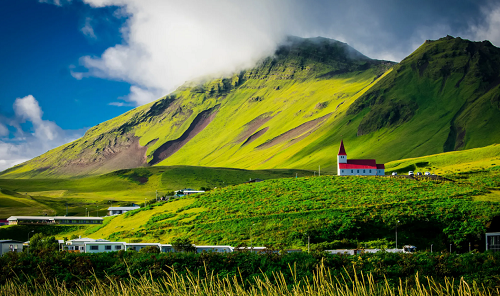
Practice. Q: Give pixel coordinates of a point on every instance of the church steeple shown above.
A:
(341, 157)
(342, 149)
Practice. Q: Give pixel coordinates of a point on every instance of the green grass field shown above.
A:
(97, 193)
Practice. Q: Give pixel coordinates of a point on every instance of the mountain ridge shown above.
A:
(292, 109)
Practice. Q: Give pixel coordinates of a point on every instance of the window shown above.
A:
(358, 171)
(118, 247)
(352, 171)
(342, 171)
(364, 171)
(94, 248)
(107, 247)
(370, 171)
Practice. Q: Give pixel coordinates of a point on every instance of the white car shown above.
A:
(410, 173)
(419, 174)
(394, 173)
(427, 174)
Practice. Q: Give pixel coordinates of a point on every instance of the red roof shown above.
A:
(359, 164)
(342, 149)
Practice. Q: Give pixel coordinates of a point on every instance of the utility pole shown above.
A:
(450, 248)
(431, 247)
(397, 234)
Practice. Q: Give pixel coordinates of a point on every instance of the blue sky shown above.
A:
(67, 65)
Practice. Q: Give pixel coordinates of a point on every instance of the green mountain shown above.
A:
(292, 109)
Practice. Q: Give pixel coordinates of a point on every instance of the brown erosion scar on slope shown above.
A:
(199, 123)
(254, 136)
(252, 126)
(126, 155)
(299, 131)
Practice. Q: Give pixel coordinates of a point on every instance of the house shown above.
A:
(187, 191)
(103, 247)
(121, 210)
(493, 241)
(10, 246)
(78, 245)
(3, 222)
(357, 167)
(215, 249)
(167, 248)
(250, 249)
(48, 220)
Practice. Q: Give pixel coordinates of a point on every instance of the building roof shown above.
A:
(342, 149)
(123, 208)
(380, 166)
(4, 241)
(359, 164)
(14, 218)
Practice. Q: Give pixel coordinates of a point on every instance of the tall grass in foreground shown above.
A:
(175, 284)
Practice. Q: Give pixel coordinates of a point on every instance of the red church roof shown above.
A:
(359, 164)
(342, 149)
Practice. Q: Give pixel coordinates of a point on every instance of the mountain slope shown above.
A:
(292, 109)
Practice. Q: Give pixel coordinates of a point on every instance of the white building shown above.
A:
(49, 220)
(216, 249)
(103, 247)
(357, 167)
(78, 244)
(120, 210)
(10, 246)
(139, 246)
(493, 241)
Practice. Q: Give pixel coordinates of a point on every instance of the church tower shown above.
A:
(341, 157)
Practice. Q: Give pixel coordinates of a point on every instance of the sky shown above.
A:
(67, 65)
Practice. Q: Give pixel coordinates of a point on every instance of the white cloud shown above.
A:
(43, 136)
(87, 29)
(489, 28)
(3, 130)
(169, 42)
(55, 2)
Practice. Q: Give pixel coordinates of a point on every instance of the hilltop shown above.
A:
(292, 109)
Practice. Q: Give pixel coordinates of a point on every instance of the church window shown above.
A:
(352, 171)
(364, 171)
(358, 171)
(370, 171)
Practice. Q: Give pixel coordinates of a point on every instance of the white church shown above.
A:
(357, 167)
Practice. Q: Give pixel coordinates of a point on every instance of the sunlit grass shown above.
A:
(210, 284)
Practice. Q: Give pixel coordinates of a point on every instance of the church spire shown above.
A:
(342, 149)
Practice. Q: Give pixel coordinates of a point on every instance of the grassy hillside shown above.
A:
(283, 212)
(97, 193)
(449, 162)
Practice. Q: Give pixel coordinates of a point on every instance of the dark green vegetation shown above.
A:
(97, 193)
(79, 269)
(292, 109)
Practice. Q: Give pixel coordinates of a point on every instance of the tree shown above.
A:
(150, 250)
(39, 243)
(183, 245)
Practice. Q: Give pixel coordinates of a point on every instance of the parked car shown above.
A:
(394, 173)
(427, 174)
(419, 174)
(410, 173)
